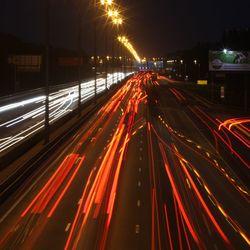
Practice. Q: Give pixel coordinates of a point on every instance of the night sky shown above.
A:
(155, 26)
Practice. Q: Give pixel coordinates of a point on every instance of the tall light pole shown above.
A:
(95, 50)
(116, 21)
(47, 47)
(106, 4)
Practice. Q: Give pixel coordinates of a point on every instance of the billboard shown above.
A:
(26, 63)
(226, 60)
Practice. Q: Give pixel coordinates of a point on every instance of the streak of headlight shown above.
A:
(22, 103)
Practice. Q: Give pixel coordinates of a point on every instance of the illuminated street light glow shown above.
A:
(117, 21)
(113, 13)
(124, 40)
(106, 2)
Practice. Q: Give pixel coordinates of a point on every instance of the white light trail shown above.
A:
(27, 116)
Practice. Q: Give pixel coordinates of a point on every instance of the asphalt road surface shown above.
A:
(140, 174)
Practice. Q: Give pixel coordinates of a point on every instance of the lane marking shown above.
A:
(231, 225)
(137, 228)
(67, 227)
(199, 181)
(139, 169)
(139, 183)
(138, 203)
(140, 158)
(211, 200)
(206, 224)
(188, 183)
(140, 149)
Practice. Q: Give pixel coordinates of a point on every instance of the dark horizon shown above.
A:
(172, 25)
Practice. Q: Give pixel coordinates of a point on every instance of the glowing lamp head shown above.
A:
(106, 2)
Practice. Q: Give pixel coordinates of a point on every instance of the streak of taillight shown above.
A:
(44, 188)
(168, 227)
(178, 224)
(217, 226)
(234, 152)
(206, 124)
(176, 95)
(177, 196)
(66, 188)
(108, 163)
(153, 220)
(185, 233)
(50, 192)
(77, 213)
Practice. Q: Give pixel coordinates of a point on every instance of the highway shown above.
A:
(24, 116)
(139, 174)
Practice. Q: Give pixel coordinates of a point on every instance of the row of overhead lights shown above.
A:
(118, 20)
(124, 40)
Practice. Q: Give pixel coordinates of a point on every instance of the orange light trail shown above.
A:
(168, 227)
(218, 228)
(214, 163)
(66, 188)
(46, 186)
(178, 198)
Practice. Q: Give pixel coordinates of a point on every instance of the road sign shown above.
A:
(202, 82)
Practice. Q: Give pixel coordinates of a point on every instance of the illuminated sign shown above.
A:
(202, 82)
(226, 60)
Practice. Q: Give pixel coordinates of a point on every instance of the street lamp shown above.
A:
(106, 2)
(117, 21)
